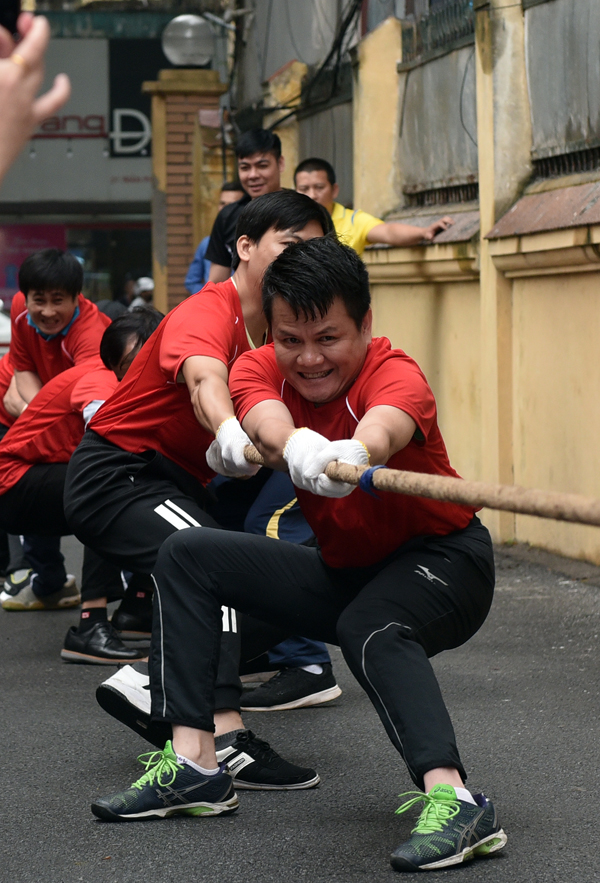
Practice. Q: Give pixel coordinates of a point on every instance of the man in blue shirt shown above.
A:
(197, 275)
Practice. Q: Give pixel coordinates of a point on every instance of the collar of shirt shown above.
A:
(58, 333)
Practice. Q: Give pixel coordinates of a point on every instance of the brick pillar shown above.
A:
(187, 173)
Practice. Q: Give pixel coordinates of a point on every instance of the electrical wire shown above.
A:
(336, 51)
(460, 100)
(266, 43)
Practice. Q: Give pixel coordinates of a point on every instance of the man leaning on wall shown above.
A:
(316, 178)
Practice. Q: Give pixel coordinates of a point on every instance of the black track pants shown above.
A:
(430, 595)
(124, 506)
(34, 507)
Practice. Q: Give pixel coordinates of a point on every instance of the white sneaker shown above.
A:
(130, 684)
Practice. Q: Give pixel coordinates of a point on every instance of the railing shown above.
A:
(587, 160)
(448, 23)
(458, 193)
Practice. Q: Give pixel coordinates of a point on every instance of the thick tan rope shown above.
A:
(511, 498)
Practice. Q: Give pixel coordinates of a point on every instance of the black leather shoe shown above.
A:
(100, 645)
(133, 626)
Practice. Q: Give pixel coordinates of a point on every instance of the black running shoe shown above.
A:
(449, 831)
(169, 788)
(293, 688)
(255, 766)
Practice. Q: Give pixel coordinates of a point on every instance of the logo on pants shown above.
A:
(431, 577)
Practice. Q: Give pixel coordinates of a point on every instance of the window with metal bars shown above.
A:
(587, 160)
(448, 21)
(444, 195)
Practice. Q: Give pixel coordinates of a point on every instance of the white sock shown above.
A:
(312, 669)
(465, 795)
(194, 766)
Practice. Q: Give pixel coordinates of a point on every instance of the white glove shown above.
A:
(347, 450)
(226, 453)
(299, 452)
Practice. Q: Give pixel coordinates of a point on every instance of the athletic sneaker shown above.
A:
(26, 599)
(169, 788)
(293, 688)
(449, 831)
(253, 764)
(14, 582)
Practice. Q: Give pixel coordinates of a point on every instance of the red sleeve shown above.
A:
(6, 375)
(203, 325)
(400, 383)
(17, 305)
(19, 351)
(82, 341)
(255, 378)
(96, 385)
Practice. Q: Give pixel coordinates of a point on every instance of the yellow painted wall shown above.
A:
(377, 105)
(437, 322)
(556, 374)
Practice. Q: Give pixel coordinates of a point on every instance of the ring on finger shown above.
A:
(19, 60)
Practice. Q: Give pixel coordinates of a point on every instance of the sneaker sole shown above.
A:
(113, 702)
(66, 604)
(258, 786)
(494, 843)
(304, 702)
(124, 701)
(15, 606)
(194, 809)
(74, 656)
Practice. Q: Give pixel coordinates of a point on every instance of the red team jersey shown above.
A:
(47, 358)
(360, 530)
(152, 410)
(51, 427)
(6, 375)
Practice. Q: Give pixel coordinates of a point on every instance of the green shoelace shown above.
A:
(435, 813)
(157, 763)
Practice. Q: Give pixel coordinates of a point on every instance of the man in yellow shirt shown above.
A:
(316, 178)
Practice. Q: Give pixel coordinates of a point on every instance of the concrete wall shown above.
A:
(278, 32)
(438, 132)
(563, 69)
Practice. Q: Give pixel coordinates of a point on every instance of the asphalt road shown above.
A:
(523, 695)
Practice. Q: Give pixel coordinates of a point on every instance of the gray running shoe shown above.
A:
(14, 582)
(449, 831)
(169, 788)
(26, 599)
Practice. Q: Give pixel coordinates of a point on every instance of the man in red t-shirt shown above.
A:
(141, 470)
(54, 327)
(395, 579)
(33, 462)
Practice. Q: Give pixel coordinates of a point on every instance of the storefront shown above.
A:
(84, 180)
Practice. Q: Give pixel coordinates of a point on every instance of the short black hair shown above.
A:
(282, 210)
(141, 322)
(231, 186)
(51, 269)
(258, 141)
(315, 164)
(310, 275)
